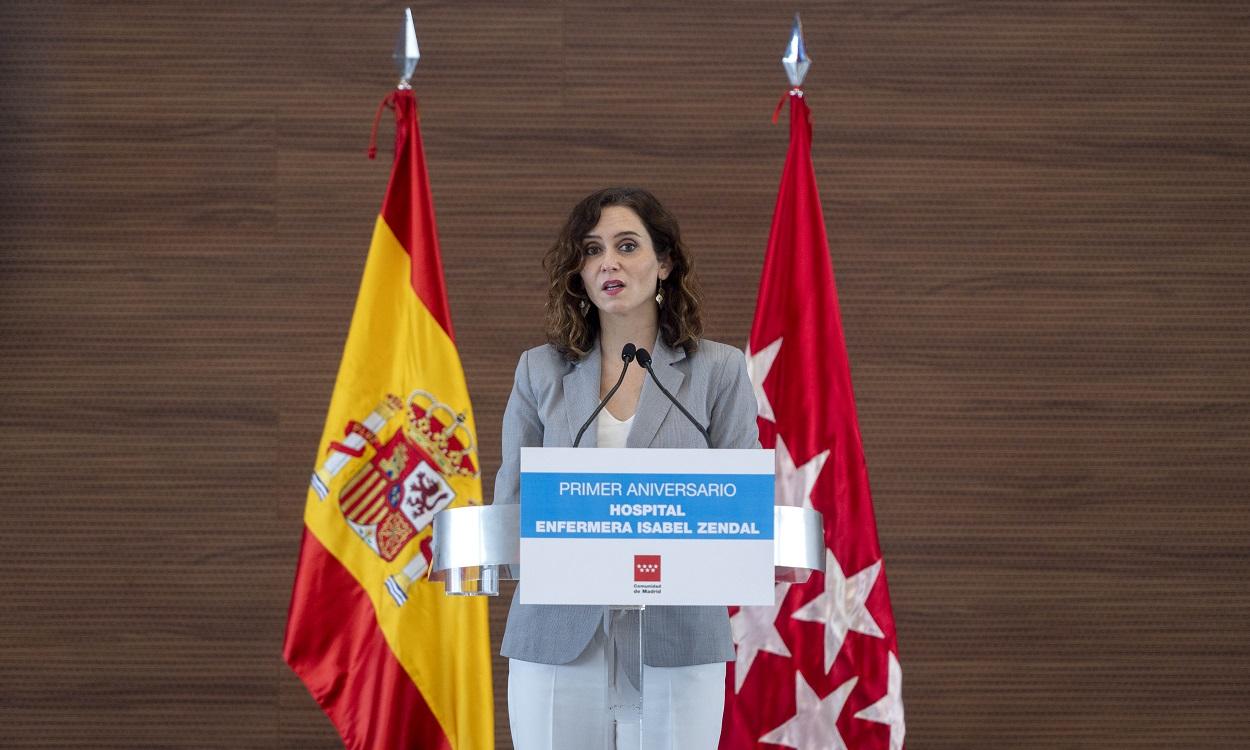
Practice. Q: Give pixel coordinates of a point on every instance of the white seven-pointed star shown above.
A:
(814, 724)
(755, 630)
(794, 483)
(758, 365)
(841, 606)
(889, 710)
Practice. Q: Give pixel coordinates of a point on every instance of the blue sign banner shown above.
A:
(561, 505)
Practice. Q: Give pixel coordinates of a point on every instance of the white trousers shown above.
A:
(564, 706)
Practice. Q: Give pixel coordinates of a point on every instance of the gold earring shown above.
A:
(659, 294)
(584, 306)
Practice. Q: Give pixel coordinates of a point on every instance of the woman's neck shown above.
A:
(615, 333)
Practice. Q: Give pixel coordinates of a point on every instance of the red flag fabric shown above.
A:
(820, 668)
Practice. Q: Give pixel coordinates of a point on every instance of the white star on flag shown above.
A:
(794, 483)
(814, 724)
(889, 710)
(758, 365)
(755, 630)
(842, 606)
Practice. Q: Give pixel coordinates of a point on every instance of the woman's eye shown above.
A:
(591, 249)
(628, 247)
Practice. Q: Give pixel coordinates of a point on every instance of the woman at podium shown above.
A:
(619, 274)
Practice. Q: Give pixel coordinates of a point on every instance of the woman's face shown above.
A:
(620, 268)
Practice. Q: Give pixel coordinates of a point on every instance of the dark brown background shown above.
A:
(1038, 221)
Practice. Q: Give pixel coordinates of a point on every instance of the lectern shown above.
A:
(628, 529)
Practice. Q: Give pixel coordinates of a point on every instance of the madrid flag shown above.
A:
(393, 661)
(820, 668)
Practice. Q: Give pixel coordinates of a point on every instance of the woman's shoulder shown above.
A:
(717, 352)
(544, 359)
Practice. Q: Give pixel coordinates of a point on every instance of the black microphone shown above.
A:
(627, 355)
(644, 359)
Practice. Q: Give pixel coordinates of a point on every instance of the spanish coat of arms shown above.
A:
(399, 459)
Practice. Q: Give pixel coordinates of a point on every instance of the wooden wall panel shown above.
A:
(1038, 219)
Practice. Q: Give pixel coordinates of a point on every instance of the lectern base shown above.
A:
(623, 677)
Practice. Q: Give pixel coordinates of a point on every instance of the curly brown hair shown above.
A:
(572, 333)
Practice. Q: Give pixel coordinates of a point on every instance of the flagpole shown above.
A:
(795, 60)
(796, 63)
(407, 54)
(820, 667)
(392, 661)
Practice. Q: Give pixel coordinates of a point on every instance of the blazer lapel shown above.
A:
(581, 396)
(654, 406)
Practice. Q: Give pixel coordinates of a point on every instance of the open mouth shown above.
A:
(613, 286)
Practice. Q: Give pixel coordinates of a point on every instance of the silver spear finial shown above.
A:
(406, 51)
(795, 60)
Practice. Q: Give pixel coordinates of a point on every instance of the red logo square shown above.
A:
(646, 568)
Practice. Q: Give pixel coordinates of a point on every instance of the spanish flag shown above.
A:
(393, 661)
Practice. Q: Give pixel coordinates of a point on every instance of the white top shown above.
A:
(610, 431)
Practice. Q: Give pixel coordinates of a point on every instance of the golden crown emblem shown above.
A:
(440, 431)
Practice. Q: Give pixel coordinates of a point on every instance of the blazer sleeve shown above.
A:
(522, 428)
(734, 408)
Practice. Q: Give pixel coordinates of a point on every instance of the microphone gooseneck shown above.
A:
(644, 359)
(628, 352)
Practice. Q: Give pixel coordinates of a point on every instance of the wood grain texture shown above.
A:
(1038, 219)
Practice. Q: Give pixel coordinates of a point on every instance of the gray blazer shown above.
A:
(550, 400)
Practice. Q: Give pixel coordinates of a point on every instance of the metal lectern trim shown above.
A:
(475, 547)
